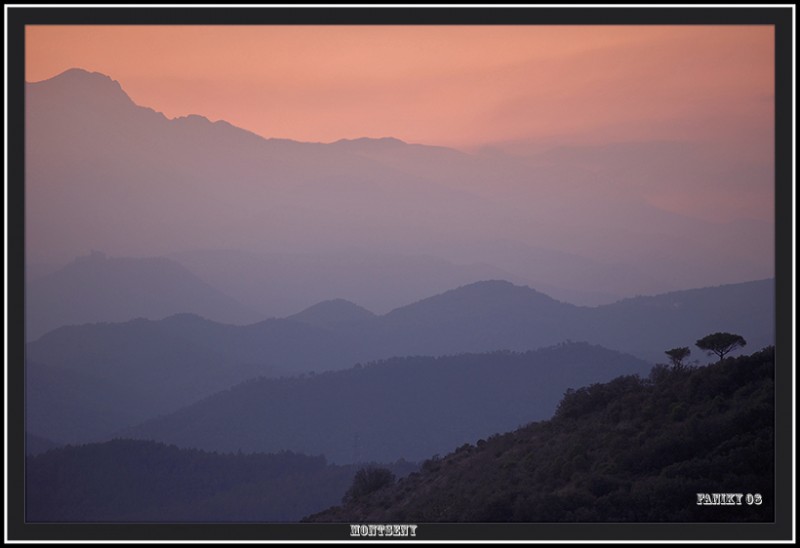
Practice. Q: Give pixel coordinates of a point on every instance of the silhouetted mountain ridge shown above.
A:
(91, 86)
(281, 284)
(176, 361)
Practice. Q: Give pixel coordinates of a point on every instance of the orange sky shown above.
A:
(460, 86)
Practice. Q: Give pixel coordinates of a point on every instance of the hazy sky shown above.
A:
(460, 86)
(665, 168)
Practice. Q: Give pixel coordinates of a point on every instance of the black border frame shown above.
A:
(782, 18)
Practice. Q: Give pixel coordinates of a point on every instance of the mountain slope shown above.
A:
(126, 480)
(626, 451)
(97, 288)
(428, 405)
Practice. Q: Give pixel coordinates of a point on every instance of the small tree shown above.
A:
(367, 480)
(677, 355)
(720, 343)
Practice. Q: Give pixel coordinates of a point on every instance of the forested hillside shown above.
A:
(127, 480)
(631, 449)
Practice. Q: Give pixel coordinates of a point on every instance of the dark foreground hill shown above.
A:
(126, 480)
(410, 408)
(628, 450)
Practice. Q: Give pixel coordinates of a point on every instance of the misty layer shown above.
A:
(103, 173)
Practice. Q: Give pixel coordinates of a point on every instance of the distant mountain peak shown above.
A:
(495, 287)
(332, 312)
(90, 85)
(82, 90)
(480, 298)
(77, 73)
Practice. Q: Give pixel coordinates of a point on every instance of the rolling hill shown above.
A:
(406, 408)
(97, 288)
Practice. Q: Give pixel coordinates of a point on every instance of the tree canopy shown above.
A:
(720, 343)
(677, 355)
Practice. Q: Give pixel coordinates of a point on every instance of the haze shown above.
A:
(592, 163)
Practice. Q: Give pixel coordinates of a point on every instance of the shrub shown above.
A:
(368, 480)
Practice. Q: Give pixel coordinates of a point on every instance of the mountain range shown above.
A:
(104, 173)
(213, 284)
(171, 363)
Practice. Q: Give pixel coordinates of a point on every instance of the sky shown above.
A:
(458, 86)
